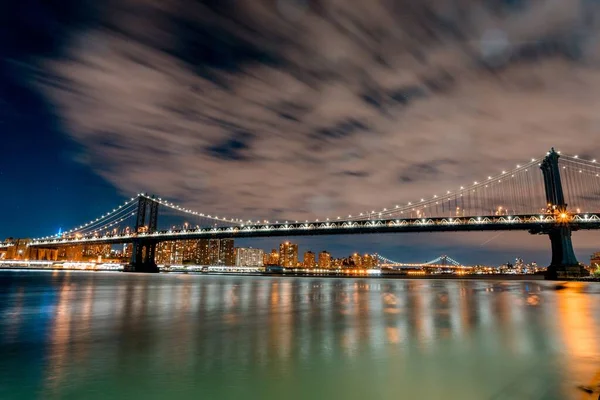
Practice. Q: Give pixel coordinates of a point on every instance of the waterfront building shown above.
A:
(273, 257)
(248, 257)
(221, 252)
(356, 260)
(202, 255)
(337, 263)
(214, 246)
(369, 261)
(226, 252)
(288, 255)
(309, 259)
(324, 260)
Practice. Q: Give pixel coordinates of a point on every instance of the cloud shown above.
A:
(299, 108)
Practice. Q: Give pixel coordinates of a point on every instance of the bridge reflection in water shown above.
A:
(89, 335)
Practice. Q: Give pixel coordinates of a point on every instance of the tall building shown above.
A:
(248, 257)
(214, 246)
(288, 255)
(226, 253)
(369, 261)
(202, 252)
(356, 260)
(337, 262)
(324, 259)
(274, 257)
(309, 259)
(188, 249)
(221, 252)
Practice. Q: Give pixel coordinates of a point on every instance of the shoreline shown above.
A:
(510, 277)
(482, 277)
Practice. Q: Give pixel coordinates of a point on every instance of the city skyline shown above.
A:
(223, 252)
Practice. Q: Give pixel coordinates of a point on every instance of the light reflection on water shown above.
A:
(119, 336)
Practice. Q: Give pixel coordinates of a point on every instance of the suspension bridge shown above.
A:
(553, 196)
(441, 262)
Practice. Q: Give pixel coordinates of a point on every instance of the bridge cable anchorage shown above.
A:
(184, 210)
(126, 206)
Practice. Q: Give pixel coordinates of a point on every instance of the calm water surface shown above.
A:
(77, 335)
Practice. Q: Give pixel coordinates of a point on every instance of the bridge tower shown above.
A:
(144, 249)
(564, 262)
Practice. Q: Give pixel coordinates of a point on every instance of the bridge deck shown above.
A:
(532, 223)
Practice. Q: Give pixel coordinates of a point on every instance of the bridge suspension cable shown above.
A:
(444, 260)
(126, 207)
(188, 211)
(518, 191)
(581, 184)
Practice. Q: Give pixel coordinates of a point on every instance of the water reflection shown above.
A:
(120, 336)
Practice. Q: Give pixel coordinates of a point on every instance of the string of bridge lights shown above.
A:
(105, 221)
(93, 222)
(189, 211)
(583, 164)
(412, 206)
(104, 227)
(449, 195)
(100, 229)
(185, 210)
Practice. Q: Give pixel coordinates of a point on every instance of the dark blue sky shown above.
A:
(284, 110)
(44, 187)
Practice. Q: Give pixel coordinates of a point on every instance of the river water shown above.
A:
(103, 335)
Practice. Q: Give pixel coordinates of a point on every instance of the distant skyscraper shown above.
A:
(309, 259)
(288, 255)
(248, 257)
(324, 259)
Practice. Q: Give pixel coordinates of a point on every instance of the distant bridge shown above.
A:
(441, 262)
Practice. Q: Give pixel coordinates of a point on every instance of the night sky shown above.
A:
(290, 109)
